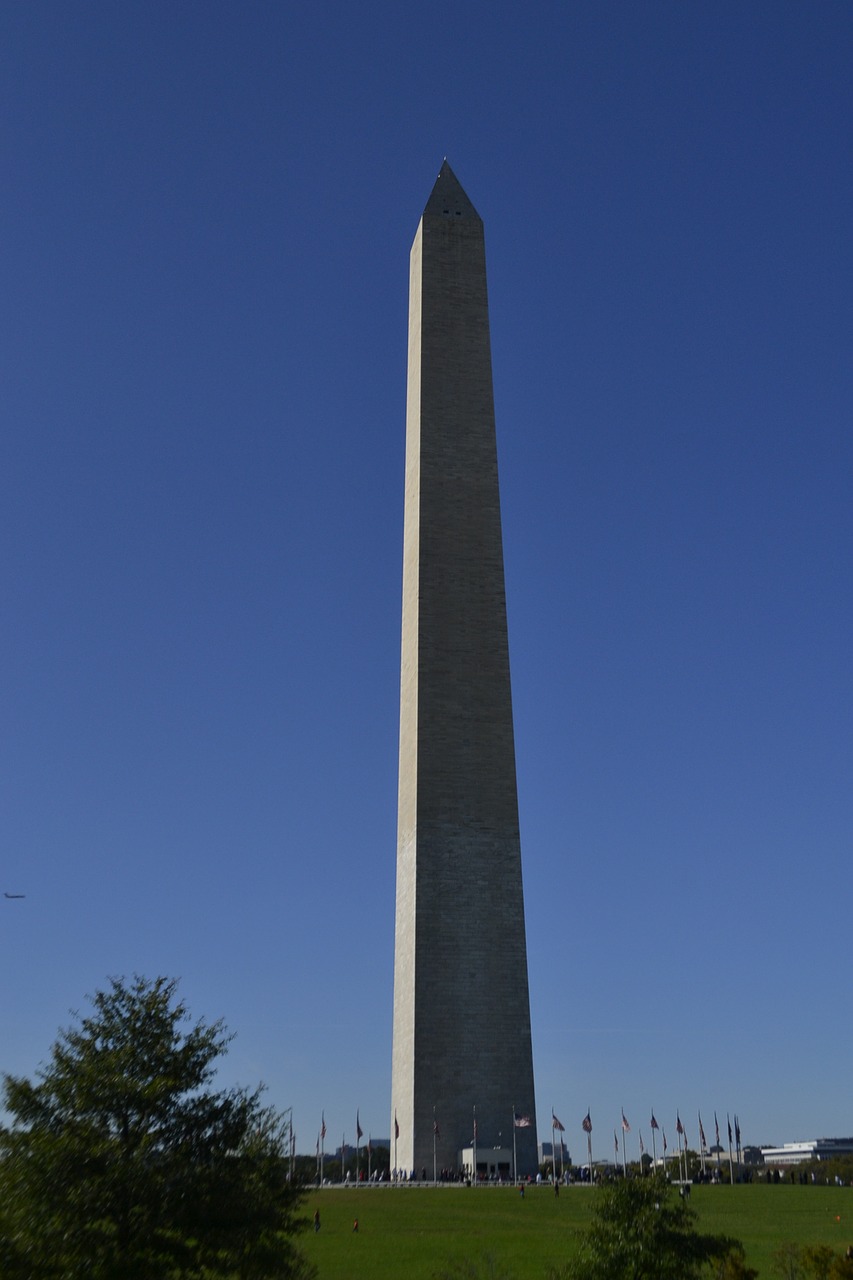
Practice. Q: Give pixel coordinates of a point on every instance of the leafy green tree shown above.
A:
(826, 1171)
(465, 1269)
(641, 1230)
(818, 1260)
(731, 1266)
(787, 1261)
(811, 1262)
(123, 1163)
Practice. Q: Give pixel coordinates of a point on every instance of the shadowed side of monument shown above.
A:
(461, 1005)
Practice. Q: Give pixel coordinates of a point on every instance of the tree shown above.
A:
(732, 1266)
(811, 1262)
(122, 1163)
(641, 1230)
(788, 1261)
(465, 1269)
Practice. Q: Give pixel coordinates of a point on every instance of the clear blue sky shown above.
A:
(206, 220)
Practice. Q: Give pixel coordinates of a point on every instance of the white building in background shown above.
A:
(494, 1164)
(800, 1152)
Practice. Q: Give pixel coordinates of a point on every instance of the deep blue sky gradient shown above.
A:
(206, 220)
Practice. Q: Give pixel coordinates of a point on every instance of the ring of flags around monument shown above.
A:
(525, 1122)
(735, 1156)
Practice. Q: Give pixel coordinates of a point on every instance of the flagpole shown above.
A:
(679, 1128)
(514, 1177)
(731, 1161)
(679, 1132)
(587, 1128)
(343, 1149)
(475, 1145)
(434, 1165)
(396, 1130)
(289, 1113)
(663, 1133)
(322, 1144)
(654, 1149)
(559, 1128)
(701, 1145)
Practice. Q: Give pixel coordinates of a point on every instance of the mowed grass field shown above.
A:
(415, 1232)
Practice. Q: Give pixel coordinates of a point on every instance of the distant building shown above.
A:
(344, 1153)
(546, 1154)
(800, 1152)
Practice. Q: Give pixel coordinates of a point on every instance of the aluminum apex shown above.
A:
(448, 198)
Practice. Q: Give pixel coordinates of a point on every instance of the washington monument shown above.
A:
(462, 1054)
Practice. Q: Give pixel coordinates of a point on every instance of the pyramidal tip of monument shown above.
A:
(448, 198)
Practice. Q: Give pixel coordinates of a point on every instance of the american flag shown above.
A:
(626, 1128)
(655, 1124)
(435, 1128)
(323, 1125)
(702, 1133)
(359, 1132)
(521, 1122)
(679, 1127)
(587, 1123)
(555, 1124)
(396, 1126)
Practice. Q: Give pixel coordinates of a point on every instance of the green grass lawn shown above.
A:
(414, 1232)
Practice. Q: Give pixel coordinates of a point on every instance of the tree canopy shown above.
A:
(642, 1230)
(122, 1162)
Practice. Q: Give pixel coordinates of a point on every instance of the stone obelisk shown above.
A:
(462, 1047)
